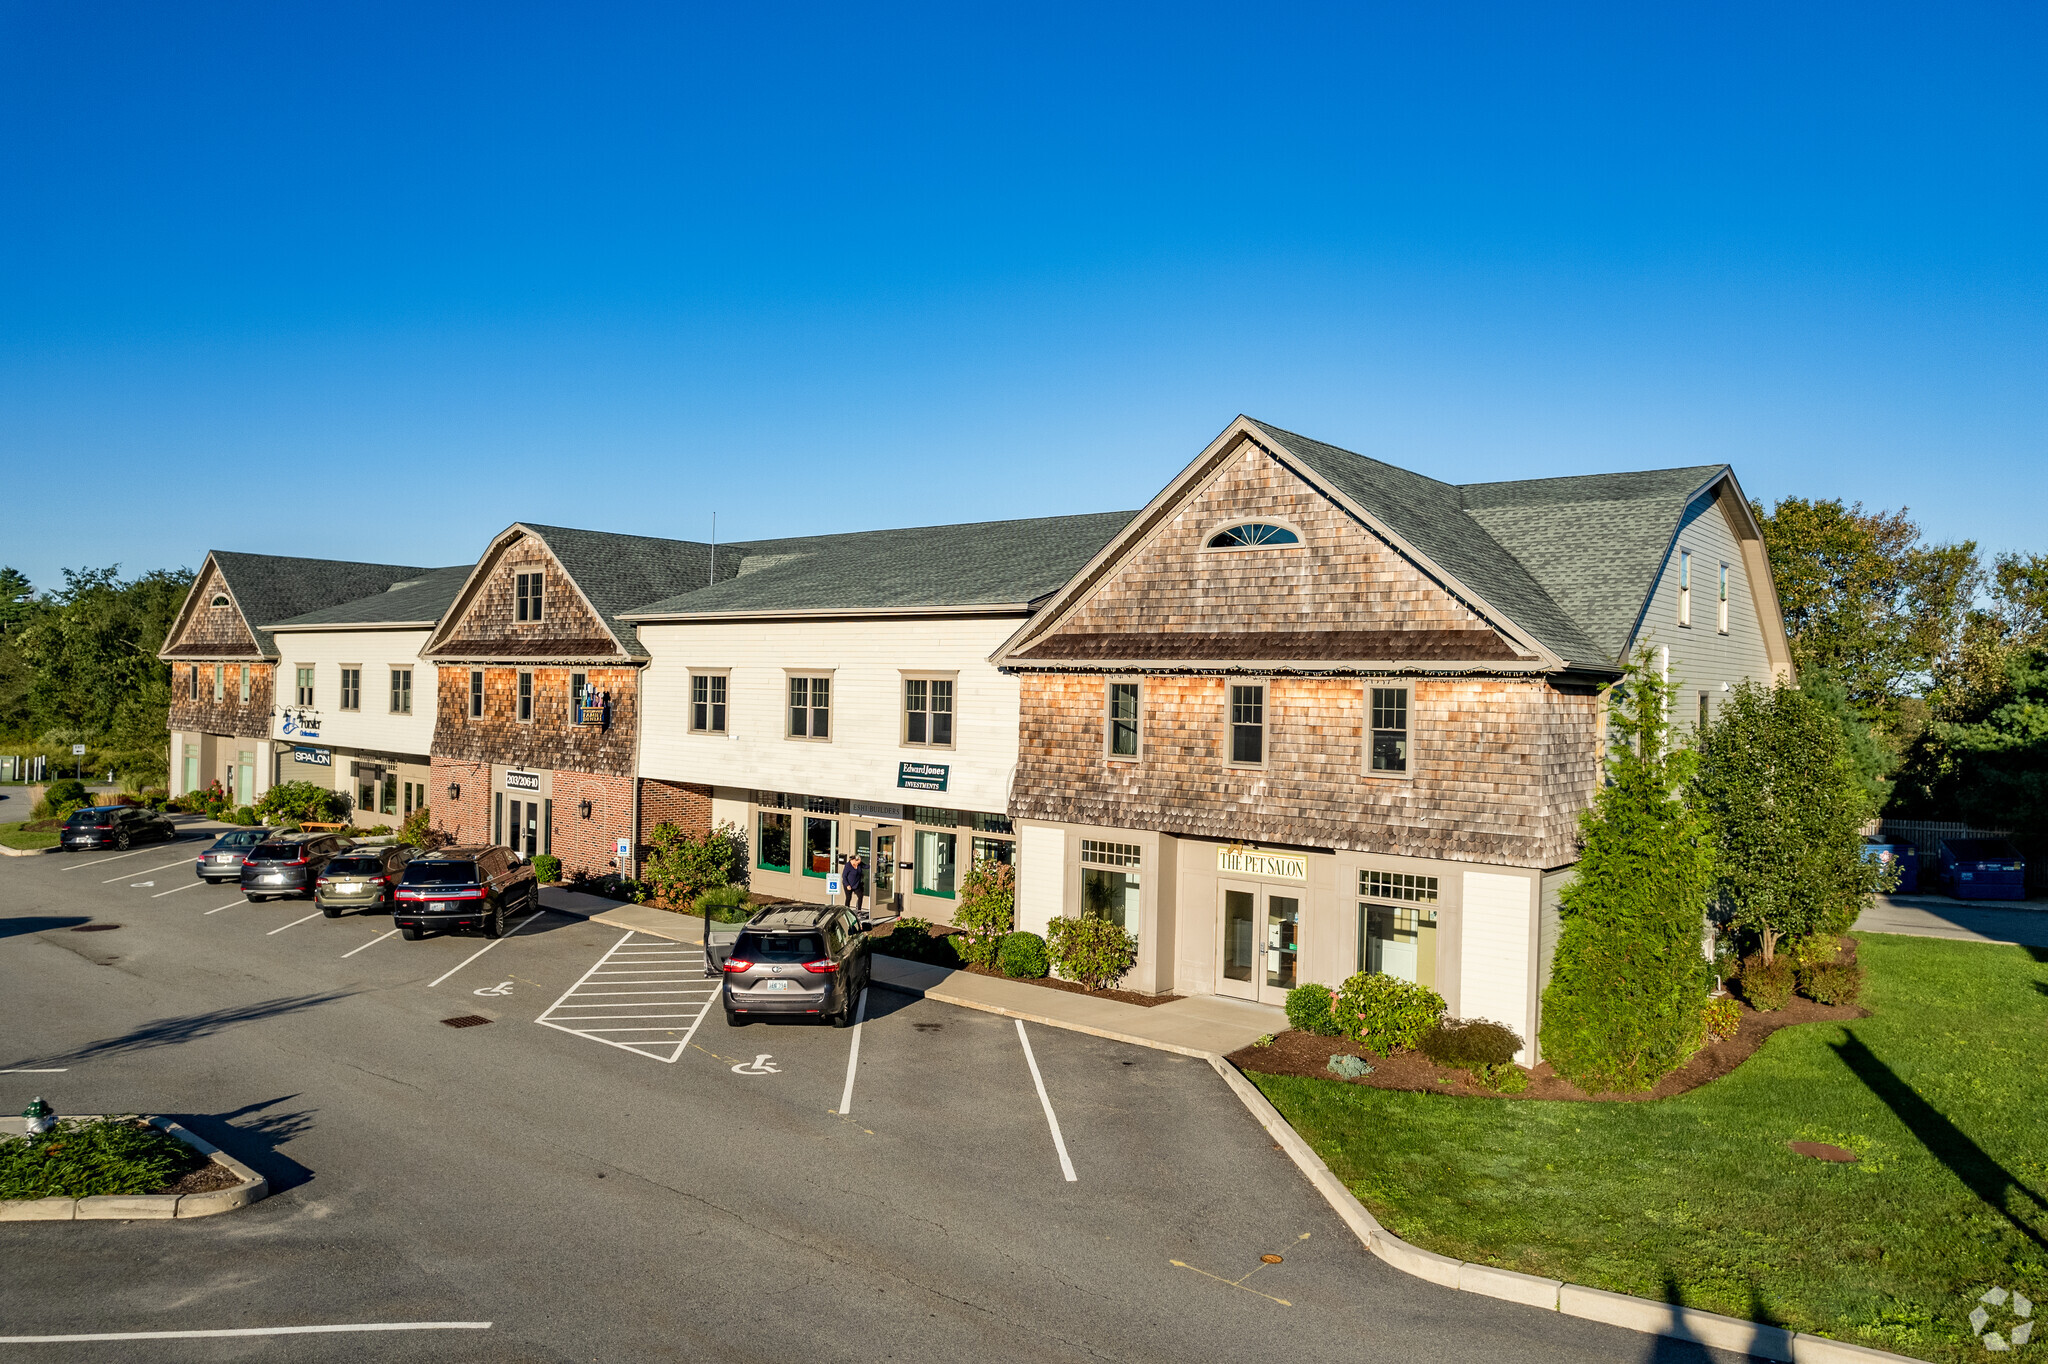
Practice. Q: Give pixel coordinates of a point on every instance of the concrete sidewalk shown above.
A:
(1937, 916)
(1195, 1026)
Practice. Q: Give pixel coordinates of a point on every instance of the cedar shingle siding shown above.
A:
(549, 739)
(489, 626)
(203, 715)
(213, 631)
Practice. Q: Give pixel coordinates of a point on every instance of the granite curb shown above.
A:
(143, 1207)
(27, 852)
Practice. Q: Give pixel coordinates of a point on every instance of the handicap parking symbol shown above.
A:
(502, 988)
(758, 1066)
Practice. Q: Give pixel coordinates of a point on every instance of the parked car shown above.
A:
(797, 959)
(362, 878)
(289, 864)
(223, 861)
(115, 826)
(459, 888)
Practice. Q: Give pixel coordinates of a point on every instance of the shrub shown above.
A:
(418, 831)
(1023, 957)
(244, 815)
(1832, 982)
(301, 802)
(1474, 1044)
(988, 901)
(911, 939)
(1766, 984)
(726, 904)
(77, 1158)
(1723, 1018)
(1503, 1079)
(66, 789)
(547, 867)
(1385, 1012)
(681, 866)
(1308, 1009)
(1091, 950)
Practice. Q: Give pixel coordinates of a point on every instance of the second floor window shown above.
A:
(245, 680)
(1123, 719)
(192, 689)
(351, 688)
(1390, 729)
(1248, 723)
(476, 693)
(305, 686)
(707, 703)
(526, 696)
(526, 592)
(1684, 587)
(928, 711)
(219, 687)
(810, 707)
(1722, 611)
(401, 691)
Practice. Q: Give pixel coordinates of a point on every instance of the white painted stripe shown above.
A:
(853, 1055)
(175, 889)
(102, 861)
(620, 1018)
(371, 943)
(254, 1331)
(485, 948)
(572, 989)
(58, 1070)
(216, 911)
(293, 924)
(593, 1032)
(1059, 1142)
(144, 872)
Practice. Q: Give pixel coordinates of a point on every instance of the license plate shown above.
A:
(274, 878)
(223, 857)
(778, 985)
(440, 907)
(349, 887)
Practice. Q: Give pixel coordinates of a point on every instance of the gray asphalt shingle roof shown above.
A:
(420, 600)
(272, 587)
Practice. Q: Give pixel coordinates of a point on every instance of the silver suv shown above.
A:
(797, 959)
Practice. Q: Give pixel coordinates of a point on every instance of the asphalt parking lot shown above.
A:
(938, 1183)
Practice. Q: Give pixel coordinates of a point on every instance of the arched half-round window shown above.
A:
(221, 600)
(1253, 534)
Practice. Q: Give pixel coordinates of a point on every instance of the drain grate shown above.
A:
(466, 1021)
(95, 928)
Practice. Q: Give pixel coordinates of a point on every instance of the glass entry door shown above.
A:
(1260, 950)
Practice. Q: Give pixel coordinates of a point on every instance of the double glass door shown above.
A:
(877, 844)
(1260, 951)
(522, 830)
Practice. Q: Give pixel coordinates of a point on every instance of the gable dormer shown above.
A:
(522, 603)
(211, 625)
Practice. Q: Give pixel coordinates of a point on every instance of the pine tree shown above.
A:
(1629, 983)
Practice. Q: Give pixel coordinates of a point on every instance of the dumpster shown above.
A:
(1983, 869)
(1904, 854)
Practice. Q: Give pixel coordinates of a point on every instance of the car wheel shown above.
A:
(494, 927)
(733, 1019)
(409, 933)
(121, 841)
(330, 912)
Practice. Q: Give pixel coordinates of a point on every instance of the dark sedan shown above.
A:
(115, 826)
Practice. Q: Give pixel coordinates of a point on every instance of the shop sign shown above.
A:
(867, 809)
(921, 776)
(318, 757)
(1292, 866)
(522, 781)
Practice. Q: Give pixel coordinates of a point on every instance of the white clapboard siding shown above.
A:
(376, 652)
(1702, 658)
(867, 660)
(1496, 951)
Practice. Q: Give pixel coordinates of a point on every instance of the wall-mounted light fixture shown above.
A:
(454, 791)
(584, 809)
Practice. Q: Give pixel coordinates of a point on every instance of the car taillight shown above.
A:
(823, 966)
(735, 965)
(436, 893)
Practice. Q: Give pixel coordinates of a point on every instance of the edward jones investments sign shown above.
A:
(1289, 865)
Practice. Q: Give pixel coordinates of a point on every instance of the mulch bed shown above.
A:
(205, 1179)
(1300, 1053)
(1073, 988)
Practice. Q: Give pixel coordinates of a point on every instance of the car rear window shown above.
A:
(778, 947)
(356, 865)
(246, 838)
(90, 819)
(275, 852)
(439, 873)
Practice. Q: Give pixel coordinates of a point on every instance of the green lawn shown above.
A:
(11, 836)
(1943, 1091)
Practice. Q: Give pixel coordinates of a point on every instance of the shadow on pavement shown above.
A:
(256, 1141)
(169, 1032)
(1671, 1350)
(14, 928)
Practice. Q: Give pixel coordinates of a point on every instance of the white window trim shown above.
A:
(341, 700)
(1109, 720)
(1300, 538)
(1685, 589)
(391, 693)
(1721, 610)
(831, 708)
(532, 695)
(1387, 684)
(536, 571)
(690, 704)
(903, 739)
(1265, 684)
(312, 687)
(477, 695)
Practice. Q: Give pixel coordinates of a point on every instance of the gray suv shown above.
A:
(802, 960)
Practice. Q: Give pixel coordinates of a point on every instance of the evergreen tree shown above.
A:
(1629, 983)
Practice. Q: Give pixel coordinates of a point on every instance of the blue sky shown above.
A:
(373, 281)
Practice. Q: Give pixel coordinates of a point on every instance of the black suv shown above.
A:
(289, 864)
(797, 959)
(463, 888)
(115, 826)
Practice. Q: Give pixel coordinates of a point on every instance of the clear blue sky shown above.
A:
(373, 281)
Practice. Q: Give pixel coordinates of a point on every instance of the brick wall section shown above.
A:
(1501, 767)
(587, 844)
(203, 715)
(683, 804)
(489, 625)
(549, 739)
(1342, 577)
(212, 631)
(467, 820)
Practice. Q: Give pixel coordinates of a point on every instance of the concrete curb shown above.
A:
(1551, 1295)
(27, 852)
(144, 1207)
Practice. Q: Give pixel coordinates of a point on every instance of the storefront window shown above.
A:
(1397, 935)
(771, 849)
(992, 824)
(935, 862)
(390, 805)
(1109, 882)
(995, 850)
(821, 841)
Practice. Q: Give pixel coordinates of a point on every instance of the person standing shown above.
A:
(853, 883)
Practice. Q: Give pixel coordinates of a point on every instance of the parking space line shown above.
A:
(371, 943)
(144, 872)
(485, 948)
(254, 1331)
(102, 861)
(853, 1055)
(174, 889)
(1058, 1141)
(216, 911)
(671, 991)
(293, 924)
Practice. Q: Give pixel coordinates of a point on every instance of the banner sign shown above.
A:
(319, 757)
(921, 776)
(1288, 865)
(867, 809)
(522, 781)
